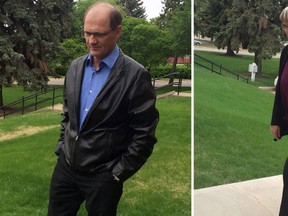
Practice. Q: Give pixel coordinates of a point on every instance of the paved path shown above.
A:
(259, 197)
(56, 81)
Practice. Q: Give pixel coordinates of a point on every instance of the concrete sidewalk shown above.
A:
(259, 197)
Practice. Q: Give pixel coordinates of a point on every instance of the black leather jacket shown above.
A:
(118, 133)
(278, 107)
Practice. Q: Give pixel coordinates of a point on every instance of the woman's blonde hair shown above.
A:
(284, 15)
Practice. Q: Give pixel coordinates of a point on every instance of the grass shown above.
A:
(232, 141)
(239, 64)
(173, 88)
(16, 93)
(26, 164)
(161, 187)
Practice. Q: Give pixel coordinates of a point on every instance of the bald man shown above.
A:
(109, 121)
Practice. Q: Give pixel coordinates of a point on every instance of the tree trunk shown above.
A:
(1, 95)
(171, 80)
(2, 74)
(229, 50)
(258, 62)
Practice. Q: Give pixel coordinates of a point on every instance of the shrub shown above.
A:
(71, 49)
(162, 70)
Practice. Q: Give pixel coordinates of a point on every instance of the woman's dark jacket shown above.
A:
(278, 108)
(118, 133)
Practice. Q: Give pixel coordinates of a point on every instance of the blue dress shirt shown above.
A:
(94, 80)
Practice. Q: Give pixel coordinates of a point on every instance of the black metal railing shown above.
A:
(175, 79)
(30, 102)
(216, 68)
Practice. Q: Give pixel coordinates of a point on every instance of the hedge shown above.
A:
(161, 70)
(157, 71)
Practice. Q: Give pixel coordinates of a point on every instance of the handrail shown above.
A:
(221, 68)
(9, 109)
(170, 83)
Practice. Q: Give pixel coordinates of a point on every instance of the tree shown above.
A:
(30, 33)
(214, 16)
(165, 16)
(263, 34)
(249, 24)
(179, 29)
(134, 8)
(149, 45)
(239, 35)
(70, 49)
(9, 62)
(171, 5)
(199, 6)
(176, 20)
(129, 23)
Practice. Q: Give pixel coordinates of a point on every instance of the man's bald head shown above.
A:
(114, 13)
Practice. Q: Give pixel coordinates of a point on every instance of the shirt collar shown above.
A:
(108, 60)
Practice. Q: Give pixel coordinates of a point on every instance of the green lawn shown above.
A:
(240, 63)
(161, 188)
(232, 141)
(17, 93)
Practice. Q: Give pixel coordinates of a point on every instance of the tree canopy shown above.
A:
(232, 24)
(144, 39)
(176, 20)
(134, 8)
(30, 33)
(129, 23)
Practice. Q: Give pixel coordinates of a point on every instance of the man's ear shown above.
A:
(118, 30)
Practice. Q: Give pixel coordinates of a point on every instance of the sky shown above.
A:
(153, 8)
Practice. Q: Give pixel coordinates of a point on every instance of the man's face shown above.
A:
(100, 38)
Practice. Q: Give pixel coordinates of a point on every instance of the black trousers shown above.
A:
(69, 189)
(284, 202)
